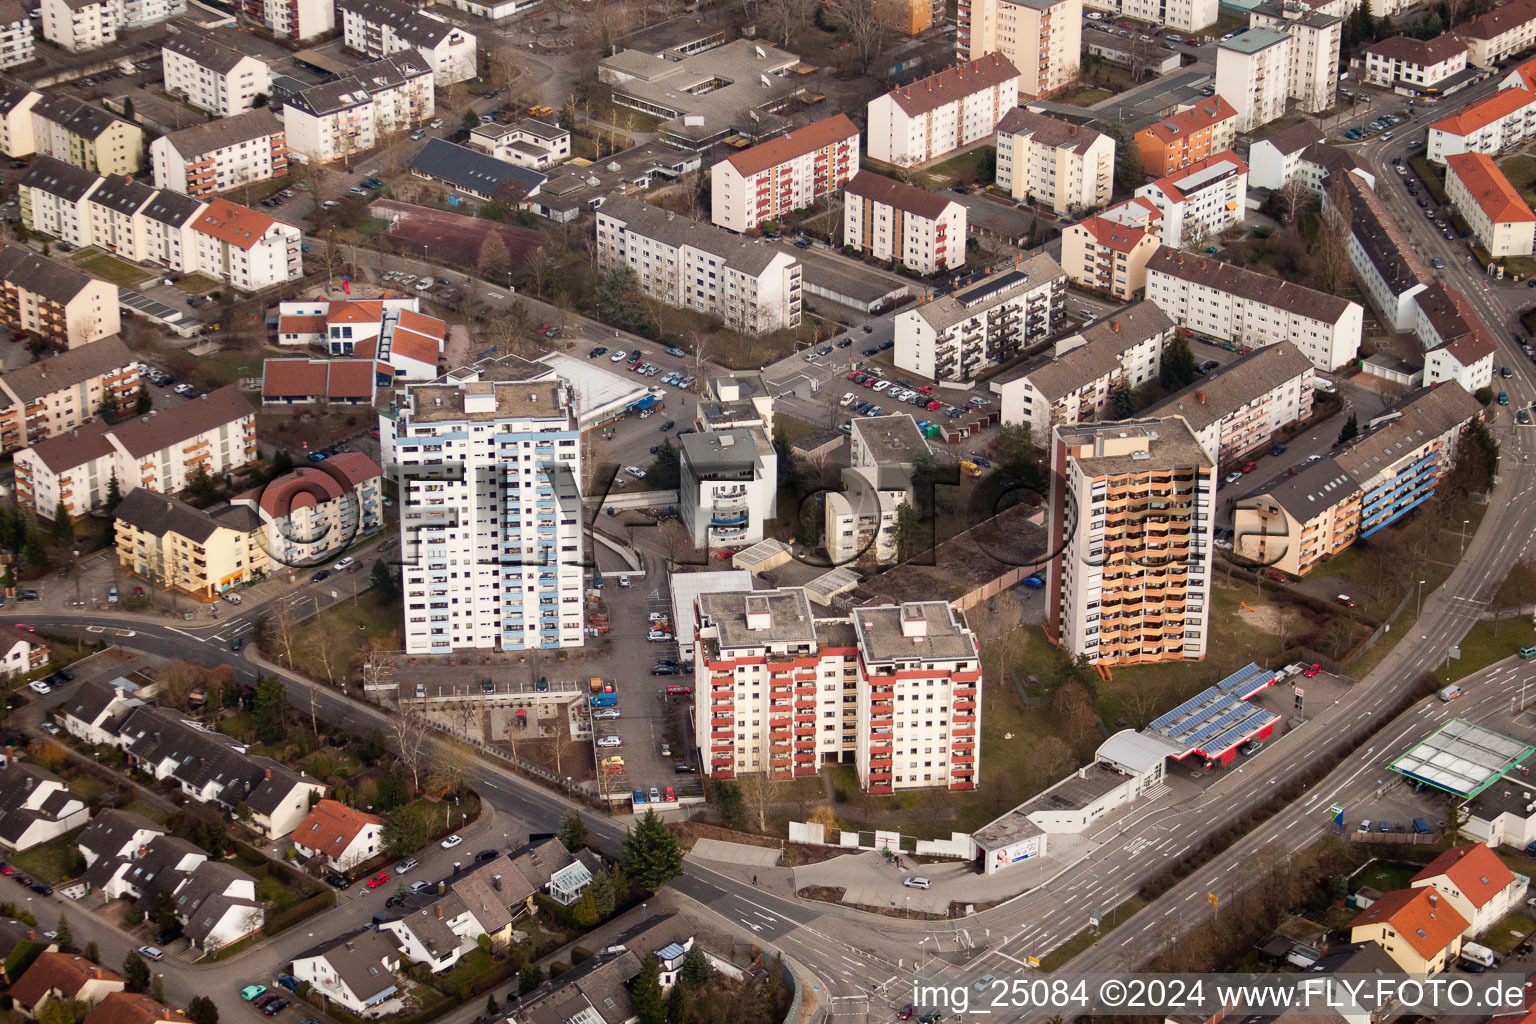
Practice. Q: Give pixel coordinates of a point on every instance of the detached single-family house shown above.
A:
(20, 652)
(357, 972)
(1418, 928)
(1476, 882)
(486, 901)
(95, 709)
(217, 905)
(36, 806)
(62, 976)
(340, 836)
(116, 835)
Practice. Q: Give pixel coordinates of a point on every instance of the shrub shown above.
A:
(580, 954)
(557, 968)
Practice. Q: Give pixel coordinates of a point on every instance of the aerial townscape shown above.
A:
(763, 511)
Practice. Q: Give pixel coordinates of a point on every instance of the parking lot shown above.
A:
(644, 718)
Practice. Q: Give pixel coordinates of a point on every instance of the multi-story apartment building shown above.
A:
(894, 221)
(1314, 57)
(221, 155)
(1184, 15)
(1457, 345)
(380, 28)
(53, 197)
(1236, 409)
(54, 301)
(1253, 73)
(1189, 136)
(80, 25)
(1229, 303)
(18, 43)
(750, 285)
(1500, 219)
(919, 690)
(293, 19)
(1297, 521)
(1131, 509)
(60, 392)
(337, 119)
(526, 143)
(178, 547)
(1490, 125)
(1381, 476)
(1074, 383)
(210, 73)
(489, 478)
(776, 689)
(727, 485)
(1108, 252)
(910, 17)
(83, 135)
(252, 250)
(1501, 33)
(1387, 269)
(784, 174)
(232, 243)
(1042, 38)
(1199, 201)
(952, 337)
(1414, 66)
(918, 123)
(1275, 159)
(313, 513)
(16, 103)
(161, 451)
(859, 522)
(1047, 159)
(894, 689)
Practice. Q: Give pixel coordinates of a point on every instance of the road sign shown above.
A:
(1212, 897)
(1033, 961)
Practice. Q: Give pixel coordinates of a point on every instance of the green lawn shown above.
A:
(119, 272)
(1521, 172)
(1482, 647)
(53, 861)
(198, 284)
(1508, 933)
(1087, 97)
(1433, 178)
(148, 810)
(794, 428)
(88, 787)
(962, 168)
(346, 625)
(1385, 876)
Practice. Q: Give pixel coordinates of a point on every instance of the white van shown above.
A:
(1473, 953)
(1450, 693)
(1324, 385)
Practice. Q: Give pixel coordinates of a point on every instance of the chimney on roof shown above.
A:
(269, 773)
(1434, 897)
(439, 908)
(1114, 325)
(1200, 395)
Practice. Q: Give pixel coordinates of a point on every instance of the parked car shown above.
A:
(337, 881)
(451, 841)
(1312, 670)
(379, 879)
(409, 864)
(1345, 600)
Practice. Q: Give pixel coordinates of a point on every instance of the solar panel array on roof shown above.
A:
(990, 287)
(1212, 721)
(1246, 681)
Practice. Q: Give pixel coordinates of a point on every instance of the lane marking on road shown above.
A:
(125, 632)
(189, 636)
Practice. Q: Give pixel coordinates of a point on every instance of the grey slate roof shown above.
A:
(354, 89)
(90, 699)
(359, 960)
(166, 861)
(1374, 234)
(947, 310)
(1233, 386)
(201, 903)
(1106, 341)
(65, 370)
(539, 861)
(57, 178)
(1424, 414)
(225, 132)
(1056, 132)
(111, 830)
(76, 116)
(121, 194)
(1314, 489)
(748, 257)
(1249, 284)
(1295, 138)
(470, 169)
(173, 208)
(12, 93)
(18, 781)
(52, 280)
(201, 47)
(159, 515)
(404, 20)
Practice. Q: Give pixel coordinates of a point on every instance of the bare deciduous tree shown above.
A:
(450, 764)
(282, 629)
(758, 791)
(1333, 240)
(785, 18)
(1293, 197)
(866, 30)
(410, 730)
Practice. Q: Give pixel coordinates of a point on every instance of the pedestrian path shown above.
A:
(735, 853)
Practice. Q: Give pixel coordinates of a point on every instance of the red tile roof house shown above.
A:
(340, 836)
(1417, 928)
(1476, 882)
(134, 1008)
(62, 976)
(315, 511)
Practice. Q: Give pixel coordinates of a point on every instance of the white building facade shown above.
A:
(1200, 201)
(784, 174)
(918, 123)
(894, 221)
(1050, 160)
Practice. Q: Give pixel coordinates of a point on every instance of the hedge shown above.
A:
(320, 901)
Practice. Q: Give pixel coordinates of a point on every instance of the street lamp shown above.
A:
(1419, 604)
(1464, 523)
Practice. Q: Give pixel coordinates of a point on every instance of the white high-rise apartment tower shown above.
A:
(490, 528)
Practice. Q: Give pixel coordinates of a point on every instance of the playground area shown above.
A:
(449, 237)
